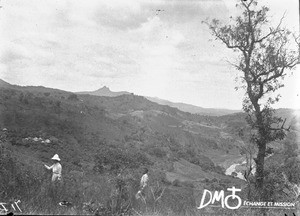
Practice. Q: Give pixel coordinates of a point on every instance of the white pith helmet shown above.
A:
(56, 157)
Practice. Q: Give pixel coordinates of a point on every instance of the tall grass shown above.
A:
(103, 194)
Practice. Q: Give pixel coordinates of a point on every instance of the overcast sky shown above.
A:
(155, 48)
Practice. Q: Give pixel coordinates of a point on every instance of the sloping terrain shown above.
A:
(98, 136)
(125, 120)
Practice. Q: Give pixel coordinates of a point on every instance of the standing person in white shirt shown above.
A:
(144, 179)
(56, 169)
(143, 184)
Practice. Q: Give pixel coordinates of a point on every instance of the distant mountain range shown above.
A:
(105, 91)
(193, 109)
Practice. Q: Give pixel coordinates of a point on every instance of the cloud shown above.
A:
(177, 12)
(156, 47)
(122, 19)
(124, 16)
(10, 56)
(62, 18)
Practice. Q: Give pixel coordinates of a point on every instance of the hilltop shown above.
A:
(104, 91)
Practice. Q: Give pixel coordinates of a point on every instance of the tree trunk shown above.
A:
(260, 160)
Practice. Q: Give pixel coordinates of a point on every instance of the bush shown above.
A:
(112, 158)
(292, 170)
(204, 162)
(157, 152)
(73, 97)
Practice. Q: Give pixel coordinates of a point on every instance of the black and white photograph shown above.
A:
(150, 107)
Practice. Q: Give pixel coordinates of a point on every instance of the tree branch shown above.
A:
(272, 32)
(282, 127)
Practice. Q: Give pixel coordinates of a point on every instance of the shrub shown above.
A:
(157, 152)
(292, 170)
(112, 158)
(73, 97)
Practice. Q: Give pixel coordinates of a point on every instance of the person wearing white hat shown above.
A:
(56, 168)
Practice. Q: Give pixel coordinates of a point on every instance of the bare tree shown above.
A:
(266, 54)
